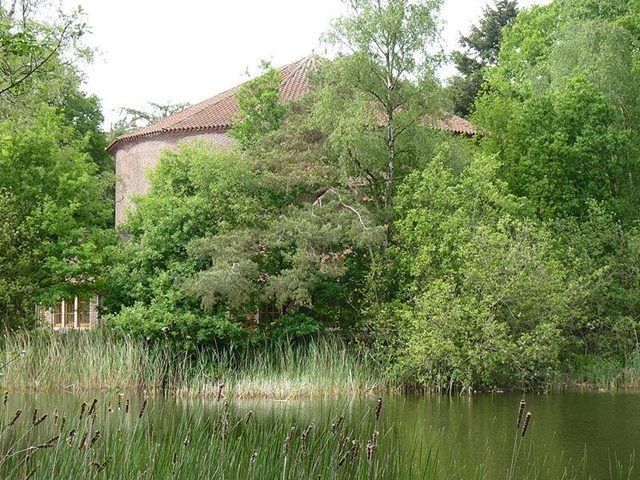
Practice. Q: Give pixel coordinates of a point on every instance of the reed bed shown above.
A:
(136, 439)
(97, 361)
(115, 436)
(593, 373)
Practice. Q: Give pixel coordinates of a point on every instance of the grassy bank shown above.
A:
(93, 361)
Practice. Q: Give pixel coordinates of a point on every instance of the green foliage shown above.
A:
(55, 183)
(218, 235)
(294, 325)
(482, 46)
(559, 115)
(561, 149)
(484, 300)
(59, 212)
(183, 330)
(462, 264)
(259, 109)
(195, 192)
(33, 49)
(500, 262)
(386, 79)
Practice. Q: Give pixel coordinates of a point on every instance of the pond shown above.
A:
(571, 435)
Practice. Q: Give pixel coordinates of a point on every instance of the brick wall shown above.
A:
(135, 158)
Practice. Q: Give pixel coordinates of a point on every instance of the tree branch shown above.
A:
(38, 65)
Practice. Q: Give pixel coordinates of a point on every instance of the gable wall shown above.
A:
(135, 158)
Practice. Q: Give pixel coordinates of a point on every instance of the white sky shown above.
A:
(185, 51)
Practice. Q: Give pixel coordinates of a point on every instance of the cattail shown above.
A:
(34, 418)
(336, 425)
(144, 406)
(305, 436)
(14, 419)
(355, 449)
(63, 421)
(287, 441)
(49, 443)
(174, 460)
(523, 404)
(71, 436)
(120, 401)
(344, 442)
(126, 406)
(40, 420)
(187, 439)
(371, 446)
(6, 399)
(100, 466)
(55, 416)
(92, 408)
(95, 438)
(30, 451)
(110, 408)
(225, 426)
(224, 421)
(220, 389)
(83, 409)
(247, 418)
(378, 408)
(527, 419)
(83, 442)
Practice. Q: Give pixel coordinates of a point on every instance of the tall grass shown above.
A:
(219, 441)
(592, 372)
(90, 361)
(126, 438)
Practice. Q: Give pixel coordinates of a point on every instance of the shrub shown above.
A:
(183, 329)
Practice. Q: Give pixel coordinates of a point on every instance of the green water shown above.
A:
(585, 436)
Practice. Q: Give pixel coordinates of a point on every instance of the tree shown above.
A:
(259, 109)
(481, 299)
(220, 237)
(55, 177)
(31, 48)
(134, 118)
(559, 113)
(481, 49)
(387, 63)
(560, 109)
(58, 211)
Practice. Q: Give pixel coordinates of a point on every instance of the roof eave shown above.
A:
(111, 149)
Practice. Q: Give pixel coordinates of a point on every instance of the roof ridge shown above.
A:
(176, 121)
(218, 112)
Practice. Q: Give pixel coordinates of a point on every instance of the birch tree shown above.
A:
(390, 56)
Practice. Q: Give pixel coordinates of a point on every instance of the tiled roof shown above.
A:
(457, 125)
(218, 112)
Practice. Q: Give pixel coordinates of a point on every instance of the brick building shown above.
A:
(137, 152)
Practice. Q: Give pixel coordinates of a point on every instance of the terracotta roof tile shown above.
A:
(217, 112)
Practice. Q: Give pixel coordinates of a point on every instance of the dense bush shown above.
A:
(157, 323)
(483, 300)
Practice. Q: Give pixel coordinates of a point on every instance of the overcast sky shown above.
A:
(188, 50)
